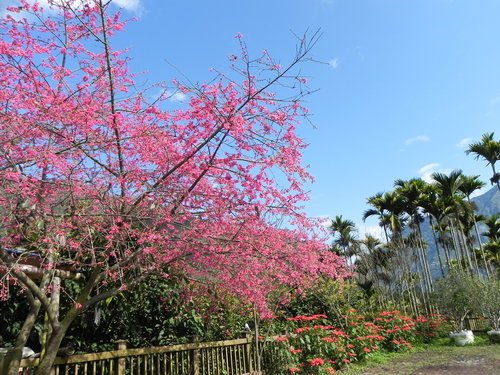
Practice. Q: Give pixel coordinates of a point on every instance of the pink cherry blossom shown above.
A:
(135, 189)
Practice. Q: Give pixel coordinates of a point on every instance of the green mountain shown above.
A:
(489, 203)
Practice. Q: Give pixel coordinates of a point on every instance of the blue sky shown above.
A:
(404, 86)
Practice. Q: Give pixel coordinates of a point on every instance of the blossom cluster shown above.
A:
(115, 178)
(316, 345)
(430, 327)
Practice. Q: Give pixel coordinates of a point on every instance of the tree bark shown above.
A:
(437, 245)
(53, 343)
(13, 357)
(481, 250)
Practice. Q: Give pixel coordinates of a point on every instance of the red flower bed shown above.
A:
(316, 346)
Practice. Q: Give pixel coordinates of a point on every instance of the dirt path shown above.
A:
(474, 360)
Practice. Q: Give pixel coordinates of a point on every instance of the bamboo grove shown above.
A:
(415, 216)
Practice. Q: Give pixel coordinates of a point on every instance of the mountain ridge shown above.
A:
(488, 203)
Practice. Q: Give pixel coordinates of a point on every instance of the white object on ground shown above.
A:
(463, 337)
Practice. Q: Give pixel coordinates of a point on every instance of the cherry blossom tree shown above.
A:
(102, 185)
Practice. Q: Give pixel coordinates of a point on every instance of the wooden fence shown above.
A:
(231, 357)
(477, 324)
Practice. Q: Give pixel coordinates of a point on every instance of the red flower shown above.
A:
(323, 327)
(338, 332)
(421, 319)
(317, 361)
(305, 318)
(281, 339)
(303, 329)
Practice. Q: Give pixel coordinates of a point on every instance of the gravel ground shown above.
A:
(469, 360)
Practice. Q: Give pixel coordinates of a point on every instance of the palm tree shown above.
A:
(412, 194)
(388, 207)
(469, 185)
(492, 247)
(451, 196)
(433, 209)
(344, 236)
(374, 269)
(449, 185)
(373, 247)
(489, 150)
(374, 256)
(379, 209)
(395, 219)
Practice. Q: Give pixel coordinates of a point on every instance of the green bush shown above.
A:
(458, 295)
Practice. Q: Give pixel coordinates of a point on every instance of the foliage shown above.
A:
(429, 328)
(457, 295)
(316, 346)
(332, 298)
(492, 247)
(488, 148)
(11, 319)
(398, 330)
(156, 312)
(150, 314)
(489, 301)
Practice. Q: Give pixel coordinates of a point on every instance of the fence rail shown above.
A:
(230, 357)
(477, 324)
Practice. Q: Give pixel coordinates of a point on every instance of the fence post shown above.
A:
(121, 363)
(195, 358)
(248, 352)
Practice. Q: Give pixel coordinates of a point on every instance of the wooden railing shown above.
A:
(231, 357)
(476, 324)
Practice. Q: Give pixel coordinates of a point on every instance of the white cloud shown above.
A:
(334, 63)
(178, 97)
(419, 138)
(130, 5)
(373, 230)
(464, 142)
(427, 170)
(325, 221)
